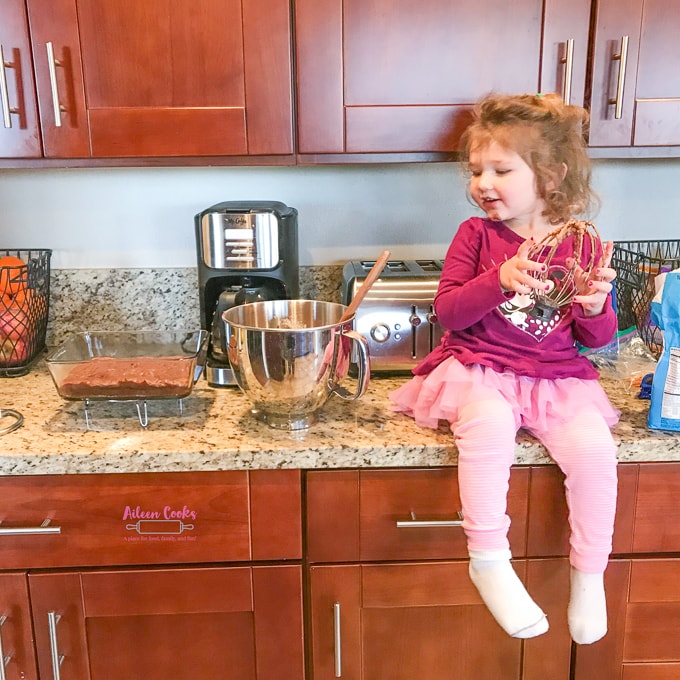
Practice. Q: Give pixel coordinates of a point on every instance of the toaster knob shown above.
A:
(380, 332)
(432, 317)
(414, 320)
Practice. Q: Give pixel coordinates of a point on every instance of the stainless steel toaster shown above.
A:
(396, 316)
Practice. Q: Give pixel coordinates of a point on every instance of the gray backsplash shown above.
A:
(141, 299)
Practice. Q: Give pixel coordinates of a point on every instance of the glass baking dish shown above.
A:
(127, 365)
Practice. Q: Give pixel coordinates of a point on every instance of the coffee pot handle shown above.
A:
(340, 362)
(226, 300)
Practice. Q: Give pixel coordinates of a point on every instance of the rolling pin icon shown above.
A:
(159, 526)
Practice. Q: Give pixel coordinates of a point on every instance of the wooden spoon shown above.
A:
(370, 279)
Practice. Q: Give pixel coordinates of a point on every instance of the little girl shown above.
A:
(507, 361)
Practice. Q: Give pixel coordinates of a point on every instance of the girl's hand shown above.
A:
(513, 273)
(593, 289)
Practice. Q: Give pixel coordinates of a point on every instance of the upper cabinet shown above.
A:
(19, 130)
(393, 76)
(129, 79)
(130, 82)
(636, 82)
(564, 54)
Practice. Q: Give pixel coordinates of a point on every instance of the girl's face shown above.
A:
(504, 186)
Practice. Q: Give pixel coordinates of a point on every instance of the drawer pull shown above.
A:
(568, 62)
(4, 660)
(44, 528)
(622, 58)
(415, 523)
(337, 641)
(4, 95)
(52, 620)
(52, 64)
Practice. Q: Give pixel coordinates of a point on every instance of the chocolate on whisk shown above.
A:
(562, 280)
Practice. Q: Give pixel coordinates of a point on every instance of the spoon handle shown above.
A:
(370, 279)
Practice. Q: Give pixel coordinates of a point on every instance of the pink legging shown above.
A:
(583, 448)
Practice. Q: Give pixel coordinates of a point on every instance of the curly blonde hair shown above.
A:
(549, 136)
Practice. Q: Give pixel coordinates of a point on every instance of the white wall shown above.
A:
(143, 217)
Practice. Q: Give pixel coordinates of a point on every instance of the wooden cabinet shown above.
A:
(390, 595)
(643, 642)
(19, 128)
(635, 80)
(235, 623)
(378, 76)
(405, 621)
(179, 575)
(642, 580)
(366, 515)
(564, 54)
(125, 79)
(16, 629)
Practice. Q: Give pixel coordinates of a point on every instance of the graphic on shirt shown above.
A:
(534, 313)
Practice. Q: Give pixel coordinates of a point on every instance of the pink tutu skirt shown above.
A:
(536, 402)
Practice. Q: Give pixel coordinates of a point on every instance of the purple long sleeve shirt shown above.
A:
(508, 331)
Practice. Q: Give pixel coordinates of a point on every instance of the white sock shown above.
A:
(505, 595)
(587, 613)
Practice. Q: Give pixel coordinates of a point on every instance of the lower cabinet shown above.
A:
(203, 575)
(16, 629)
(389, 593)
(231, 623)
(378, 611)
(643, 642)
(152, 576)
(415, 620)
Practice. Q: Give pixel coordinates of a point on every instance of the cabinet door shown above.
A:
(643, 642)
(19, 131)
(657, 514)
(16, 631)
(150, 518)
(121, 78)
(237, 623)
(565, 49)
(636, 97)
(399, 76)
(372, 515)
(405, 621)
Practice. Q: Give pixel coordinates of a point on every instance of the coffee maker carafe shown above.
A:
(247, 252)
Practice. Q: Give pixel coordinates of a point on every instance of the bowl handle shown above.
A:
(341, 354)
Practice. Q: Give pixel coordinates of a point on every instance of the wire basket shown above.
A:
(24, 307)
(637, 263)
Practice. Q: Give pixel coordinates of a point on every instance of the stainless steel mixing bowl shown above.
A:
(290, 356)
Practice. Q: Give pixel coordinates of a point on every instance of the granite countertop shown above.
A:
(216, 431)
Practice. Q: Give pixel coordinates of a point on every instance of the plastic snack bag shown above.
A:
(664, 408)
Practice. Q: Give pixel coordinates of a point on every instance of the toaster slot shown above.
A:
(414, 320)
(434, 328)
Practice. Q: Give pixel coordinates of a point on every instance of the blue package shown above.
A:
(646, 386)
(664, 407)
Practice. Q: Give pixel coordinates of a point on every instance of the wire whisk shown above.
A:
(562, 283)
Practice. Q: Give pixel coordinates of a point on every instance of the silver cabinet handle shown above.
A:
(337, 641)
(4, 95)
(52, 64)
(4, 660)
(622, 58)
(44, 528)
(52, 620)
(415, 523)
(568, 62)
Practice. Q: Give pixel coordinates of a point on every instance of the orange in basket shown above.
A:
(12, 275)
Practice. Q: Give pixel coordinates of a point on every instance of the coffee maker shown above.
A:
(247, 252)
